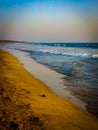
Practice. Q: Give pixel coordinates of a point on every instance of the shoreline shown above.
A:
(51, 78)
(26, 99)
(55, 81)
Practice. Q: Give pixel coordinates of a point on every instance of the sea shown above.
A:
(77, 61)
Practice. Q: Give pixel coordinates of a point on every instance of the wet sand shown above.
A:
(86, 94)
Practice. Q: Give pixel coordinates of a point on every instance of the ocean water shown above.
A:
(78, 61)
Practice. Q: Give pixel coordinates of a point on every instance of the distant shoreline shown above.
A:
(12, 41)
(16, 41)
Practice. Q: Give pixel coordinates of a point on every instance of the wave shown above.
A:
(57, 52)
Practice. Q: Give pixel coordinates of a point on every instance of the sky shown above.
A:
(49, 20)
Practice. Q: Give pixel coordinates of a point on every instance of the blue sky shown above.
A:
(84, 4)
(49, 20)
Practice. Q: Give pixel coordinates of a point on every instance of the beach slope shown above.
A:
(28, 104)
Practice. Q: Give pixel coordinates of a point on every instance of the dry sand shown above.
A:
(28, 104)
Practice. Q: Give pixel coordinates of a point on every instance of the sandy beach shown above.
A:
(27, 103)
(51, 78)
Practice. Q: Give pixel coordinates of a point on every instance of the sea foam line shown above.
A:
(87, 55)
